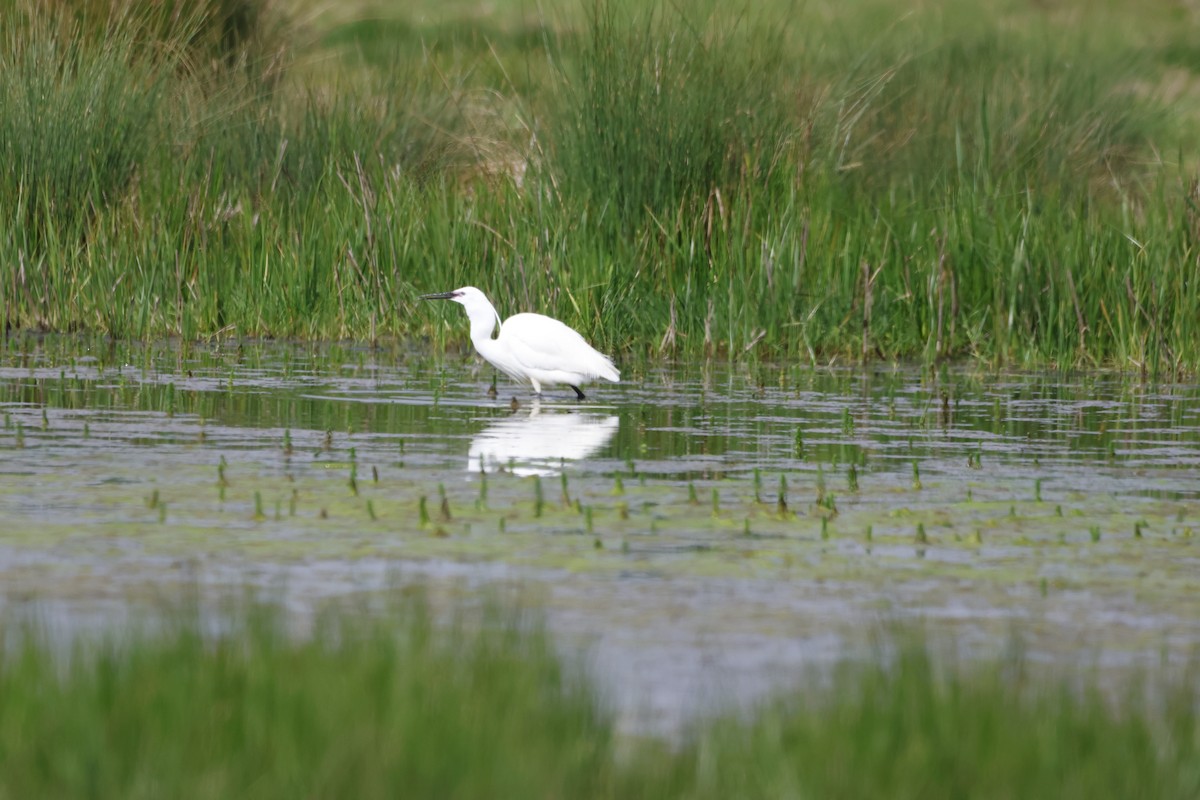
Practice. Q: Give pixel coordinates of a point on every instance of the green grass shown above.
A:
(907, 729)
(1000, 181)
(392, 703)
(360, 709)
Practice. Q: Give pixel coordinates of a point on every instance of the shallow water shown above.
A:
(1061, 508)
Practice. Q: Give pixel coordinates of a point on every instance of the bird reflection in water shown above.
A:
(539, 443)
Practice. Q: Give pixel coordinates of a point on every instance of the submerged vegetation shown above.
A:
(380, 704)
(1012, 182)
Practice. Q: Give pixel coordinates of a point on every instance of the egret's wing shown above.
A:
(543, 343)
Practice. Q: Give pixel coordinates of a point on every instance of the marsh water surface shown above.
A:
(700, 531)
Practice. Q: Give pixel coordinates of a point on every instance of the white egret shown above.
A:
(531, 348)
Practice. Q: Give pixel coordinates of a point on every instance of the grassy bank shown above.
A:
(397, 705)
(1009, 181)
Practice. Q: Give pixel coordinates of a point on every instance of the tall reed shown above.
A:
(799, 183)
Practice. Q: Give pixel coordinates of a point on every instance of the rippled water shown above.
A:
(702, 529)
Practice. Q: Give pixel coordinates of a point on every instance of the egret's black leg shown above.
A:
(578, 394)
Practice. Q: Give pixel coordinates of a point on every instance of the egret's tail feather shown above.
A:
(608, 371)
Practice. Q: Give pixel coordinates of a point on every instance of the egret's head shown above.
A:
(467, 296)
(473, 301)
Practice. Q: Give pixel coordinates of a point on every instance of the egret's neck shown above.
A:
(483, 322)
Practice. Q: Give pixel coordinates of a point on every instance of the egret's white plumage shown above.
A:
(531, 348)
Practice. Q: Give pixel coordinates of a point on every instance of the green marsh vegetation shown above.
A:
(373, 703)
(1012, 183)
(1006, 181)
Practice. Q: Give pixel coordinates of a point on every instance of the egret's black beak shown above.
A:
(440, 296)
